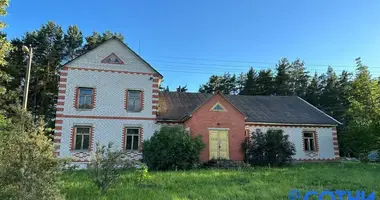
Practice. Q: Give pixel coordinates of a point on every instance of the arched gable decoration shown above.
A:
(112, 59)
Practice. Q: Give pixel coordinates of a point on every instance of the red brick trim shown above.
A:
(336, 153)
(62, 85)
(247, 131)
(61, 97)
(154, 112)
(335, 143)
(65, 68)
(154, 101)
(58, 134)
(76, 96)
(116, 63)
(140, 139)
(125, 137)
(72, 138)
(59, 109)
(106, 117)
(60, 103)
(61, 91)
(93, 98)
(58, 128)
(62, 80)
(58, 121)
(155, 80)
(317, 159)
(126, 99)
(57, 140)
(114, 71)
(142, 101)
(154, 107)
(315, 140)
(62, 73)
(249, 124)
(169, 123)
(155, 96)
(155, 90)
(154, 85)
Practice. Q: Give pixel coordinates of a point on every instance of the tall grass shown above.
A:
(255, 183)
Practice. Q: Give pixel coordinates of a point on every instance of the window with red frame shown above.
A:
(82, 138)
(85, 98)
(309, 141)
(134, 101)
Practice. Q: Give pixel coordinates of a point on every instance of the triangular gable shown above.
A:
(112, 59)
(121, 42)
(218, 107)
(212, 96)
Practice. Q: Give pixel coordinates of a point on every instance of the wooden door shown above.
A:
(219, 146)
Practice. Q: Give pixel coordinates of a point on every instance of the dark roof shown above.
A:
(126, 46)
(175, 106)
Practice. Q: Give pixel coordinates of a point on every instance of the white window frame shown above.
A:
(308, 139)
(83, 134)
(133, 135)
(85, 97)
(139, 102)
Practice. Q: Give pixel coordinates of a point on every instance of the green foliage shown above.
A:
(225, 84)
(5, 47)
(170, 148)
(180, 89)
(106, 166)
(29, 169)
(141, 173)
(260, 183)
(272, 148)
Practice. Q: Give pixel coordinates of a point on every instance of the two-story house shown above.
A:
(110, 94)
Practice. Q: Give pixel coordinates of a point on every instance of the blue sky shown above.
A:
(187, 41)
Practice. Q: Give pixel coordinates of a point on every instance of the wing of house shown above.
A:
(110, 94)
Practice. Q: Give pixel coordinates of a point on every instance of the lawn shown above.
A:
(253, 183)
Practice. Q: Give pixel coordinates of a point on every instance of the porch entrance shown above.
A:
(219, 146)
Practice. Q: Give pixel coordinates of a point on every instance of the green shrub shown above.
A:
(272, 148)
(170, 148)
(106, 166)
(29, 169)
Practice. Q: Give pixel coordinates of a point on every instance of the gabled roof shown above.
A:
(126, 46)
(176, 106)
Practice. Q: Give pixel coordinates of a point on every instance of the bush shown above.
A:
(170, 148)
(106, 166)
(29, 169)
(272, 148)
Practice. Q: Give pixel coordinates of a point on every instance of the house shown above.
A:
(110, 94)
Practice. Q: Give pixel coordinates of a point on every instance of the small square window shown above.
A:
(132, 139)
(82, 138)
(134, 101)
(309, 141)
(85, 96)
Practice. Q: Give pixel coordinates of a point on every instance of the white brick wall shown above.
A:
(109, 116)
(325, 141)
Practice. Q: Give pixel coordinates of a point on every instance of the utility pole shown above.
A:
(27, 76)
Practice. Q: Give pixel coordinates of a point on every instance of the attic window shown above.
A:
(112, 59)
(218, 108)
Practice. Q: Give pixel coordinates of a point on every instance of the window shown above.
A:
(134, 101)
(309, 141)
(86, 96)
(112, 59)
(218, 107)
(82, 138)
(132, 139)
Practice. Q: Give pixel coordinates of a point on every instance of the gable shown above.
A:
(112, 54)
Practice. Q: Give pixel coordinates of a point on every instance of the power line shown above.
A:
(237, 61)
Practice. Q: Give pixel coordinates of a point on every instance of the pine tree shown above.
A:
(282, 78)
(298, 78)
(313, 91)
(225, 84)
(181, 89)
(250, 83)
(265, 83)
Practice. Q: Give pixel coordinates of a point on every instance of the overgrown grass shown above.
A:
(255, 183)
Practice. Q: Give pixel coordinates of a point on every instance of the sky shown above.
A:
(188, 41)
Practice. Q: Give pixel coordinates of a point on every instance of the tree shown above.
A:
(328, 100)
(282, 78)
(5, 47)
(299, 78)
(225, 84)
(95, 39)
(264, 83)
(250, 84)
(73, 40)
(313, 91)
(181, 89)
(272, 148)
(28, 167)
(170, 148)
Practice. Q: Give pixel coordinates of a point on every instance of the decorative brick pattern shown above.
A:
(335, 142)
(112, 55)
(76, 97)
(93, 98)
(126, 99)
(142, 101)
(113, 71)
